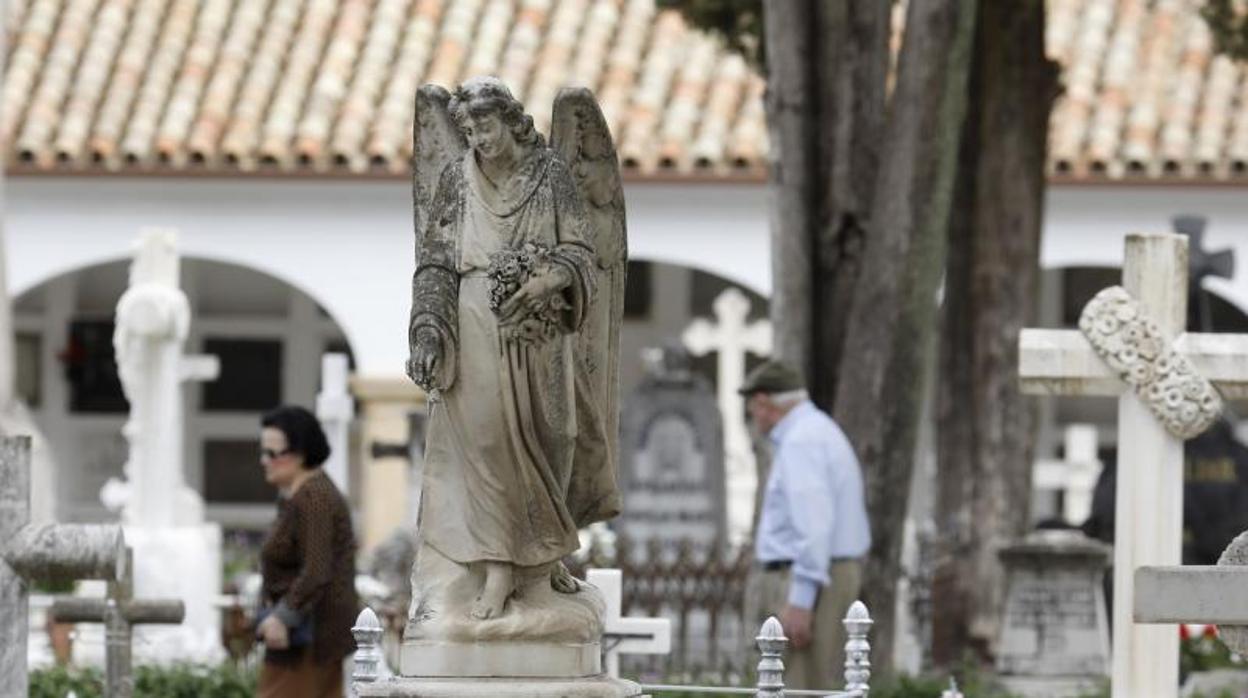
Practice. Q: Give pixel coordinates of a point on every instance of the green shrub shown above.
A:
(178, 681)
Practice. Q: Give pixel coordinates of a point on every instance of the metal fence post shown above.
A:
(857, 649)
(771, 642)
(368, 656)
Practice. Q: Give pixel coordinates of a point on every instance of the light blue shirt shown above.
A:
(813, 507)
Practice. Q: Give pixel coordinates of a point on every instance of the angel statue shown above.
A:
(514, 333)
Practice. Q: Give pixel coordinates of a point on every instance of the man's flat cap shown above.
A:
(772, 376)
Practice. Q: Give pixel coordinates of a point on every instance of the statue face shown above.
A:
(488, 135)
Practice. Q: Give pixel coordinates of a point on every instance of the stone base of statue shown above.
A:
(590, 687)
(545, 643)
(443, 594)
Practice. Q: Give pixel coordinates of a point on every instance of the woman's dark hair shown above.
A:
(303, 433)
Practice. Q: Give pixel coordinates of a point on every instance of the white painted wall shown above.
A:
(347, 244)
(1084, 226)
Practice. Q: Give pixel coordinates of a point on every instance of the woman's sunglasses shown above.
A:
(270, 454)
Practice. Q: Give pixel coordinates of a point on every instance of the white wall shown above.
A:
(1085, 226)
(347, 244)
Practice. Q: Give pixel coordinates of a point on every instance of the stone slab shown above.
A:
(1192, 594)
(431, 658)
(1052, 687)
(593, 687)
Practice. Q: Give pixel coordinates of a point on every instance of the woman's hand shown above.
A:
(535, 292)
(426, 357)
(274, 633)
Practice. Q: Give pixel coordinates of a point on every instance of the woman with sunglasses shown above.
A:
(307, 600)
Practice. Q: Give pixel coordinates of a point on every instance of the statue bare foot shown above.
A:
(493, 598)
(562, 581)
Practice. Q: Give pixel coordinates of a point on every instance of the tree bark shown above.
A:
(986, 435)
(827, 66)
(890, 327)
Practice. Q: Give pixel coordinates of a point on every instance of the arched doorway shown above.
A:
(268, 336)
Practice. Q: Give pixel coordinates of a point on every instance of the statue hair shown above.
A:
(485, 95)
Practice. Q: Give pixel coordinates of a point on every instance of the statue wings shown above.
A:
(579, 135)
(436, 141)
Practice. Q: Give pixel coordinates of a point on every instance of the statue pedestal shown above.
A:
(432, 659)
(592, 687)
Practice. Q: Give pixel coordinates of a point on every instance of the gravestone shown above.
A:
(120, 612)
(1131, 344)
(335, 409)
(1055, 634)
(672, 477)
(731, 337)
(177, 554)
(39, 552)
(629, 635)
(1074, 477)
(1211, 594)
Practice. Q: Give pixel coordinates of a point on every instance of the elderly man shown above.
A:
(813, 529)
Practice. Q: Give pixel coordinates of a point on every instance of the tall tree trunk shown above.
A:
(879, 393)
(986, 434)
(827, 65)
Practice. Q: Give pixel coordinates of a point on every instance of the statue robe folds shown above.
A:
(507, 430)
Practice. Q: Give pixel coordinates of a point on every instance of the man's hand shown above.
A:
(274, 634)
(798, 624)
(534, 293)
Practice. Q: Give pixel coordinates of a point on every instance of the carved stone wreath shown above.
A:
(1135, 348)
(1235, 636)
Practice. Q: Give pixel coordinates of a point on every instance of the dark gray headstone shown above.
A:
(1055, 629)
(672, 458)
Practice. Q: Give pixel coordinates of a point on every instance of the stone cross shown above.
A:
(1208, 594)
(335, 409)
(119, 613)
(626, 635)
(1150, 472)
(1201, 264)
(30, 552)
(731, 337)
(153, 319)
(1074, 476)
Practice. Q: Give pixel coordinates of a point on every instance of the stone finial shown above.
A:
(368, 657)
(857, 649)
(771, 642)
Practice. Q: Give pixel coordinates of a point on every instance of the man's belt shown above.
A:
(779, 565)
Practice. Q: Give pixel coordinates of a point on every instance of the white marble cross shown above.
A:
(1149, 492)
(731, 337)
(335, 409)
(627, 635)
(1207, 594)
(1074, 476)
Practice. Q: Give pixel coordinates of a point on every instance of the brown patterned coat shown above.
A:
(308, 565)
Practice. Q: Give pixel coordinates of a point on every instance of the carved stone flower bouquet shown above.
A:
(509, 270)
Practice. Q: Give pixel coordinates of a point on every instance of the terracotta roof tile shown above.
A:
(328, 85)
(360, 104)
(162, 68)
(550, 71)
(127, 78)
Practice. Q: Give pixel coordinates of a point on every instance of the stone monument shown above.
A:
(176, 554)
(731, 336)
(672, 454)
(516, 310)
(1055, 634)
(1131, 344)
